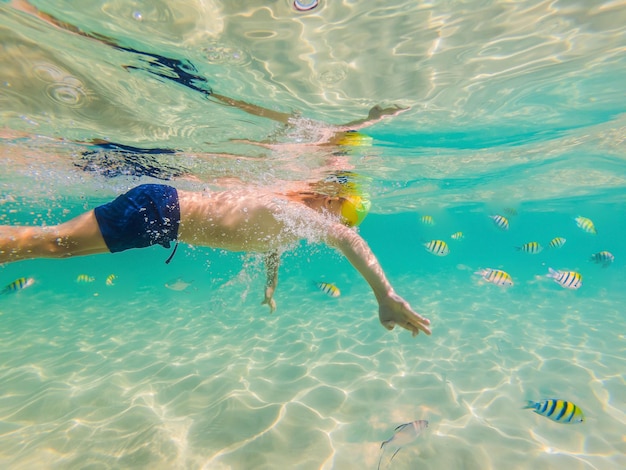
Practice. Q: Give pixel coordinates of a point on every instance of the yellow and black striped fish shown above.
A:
(427, 220)
(110, 280)
(437, 247)
(567, 279)
(557, 242)
(557, 410)
(331, 290)
(496, 276)
(457, 236)
(586, 224)
(500, 221)
(17, 285)
(531, 247)
(604, 258)
(84, 278)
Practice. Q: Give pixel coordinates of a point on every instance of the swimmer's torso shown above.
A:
(239, 220)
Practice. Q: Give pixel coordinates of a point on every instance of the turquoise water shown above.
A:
(514, 109)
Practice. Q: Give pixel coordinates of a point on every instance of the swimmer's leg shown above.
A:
(78, 237)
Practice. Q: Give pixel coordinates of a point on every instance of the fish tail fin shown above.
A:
(529, 404)
(551, 273)
(382, 452)
(394, 454)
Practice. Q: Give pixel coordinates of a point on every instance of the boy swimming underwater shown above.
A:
(243, 219)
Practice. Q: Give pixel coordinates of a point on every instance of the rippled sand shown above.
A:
(206, 378)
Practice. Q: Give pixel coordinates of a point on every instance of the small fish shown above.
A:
(496, 276)
(18, 284)
(557, 242)
(531, 247)
(437, 247)
(427, 220)
(331, 290)
(83, 278)
(457, 236)
(178, 284)
(512, 211)
(605, 258)
(586, 224)
(567, 279)
(110, 281)
(404, 434)
(557, 410)
(500, 221)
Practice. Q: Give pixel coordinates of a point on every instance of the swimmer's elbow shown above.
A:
(343, 237)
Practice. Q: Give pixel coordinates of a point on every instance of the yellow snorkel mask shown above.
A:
(349, 187)
(355, 139)
(354, 209)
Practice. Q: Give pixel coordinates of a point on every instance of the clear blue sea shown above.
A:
(513, 109)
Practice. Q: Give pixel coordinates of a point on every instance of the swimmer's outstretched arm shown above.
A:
(392, 309)
(377, 113)
(253, 109)
(272, 262)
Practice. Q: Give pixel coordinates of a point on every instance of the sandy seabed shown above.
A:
(163, 379)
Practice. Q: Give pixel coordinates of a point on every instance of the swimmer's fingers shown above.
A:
(269, 299)
(271, 303)
(378, 111)
(396, 311)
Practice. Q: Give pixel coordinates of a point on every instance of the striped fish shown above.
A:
(403, 435)
(557, 410)
(17, 285)
(81, 278)
(427, 220)
(500, 221)
(331, 290)
(586, 224)
(457, 236)
(110, 281)
(557, 242)
(531, 247)
(567, 279)
(496, 276)
(437, 247)
(604, 258)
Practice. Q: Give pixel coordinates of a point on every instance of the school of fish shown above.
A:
(556, 409)
(567, 279)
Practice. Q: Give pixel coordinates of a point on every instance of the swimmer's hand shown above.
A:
(269, 299)
(272, 261)
(378, 112)
(394, 310)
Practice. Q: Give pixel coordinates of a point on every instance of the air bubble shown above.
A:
(218, 53)
(66, 94)
(305, 5)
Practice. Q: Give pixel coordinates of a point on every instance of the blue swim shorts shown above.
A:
(146, 215)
